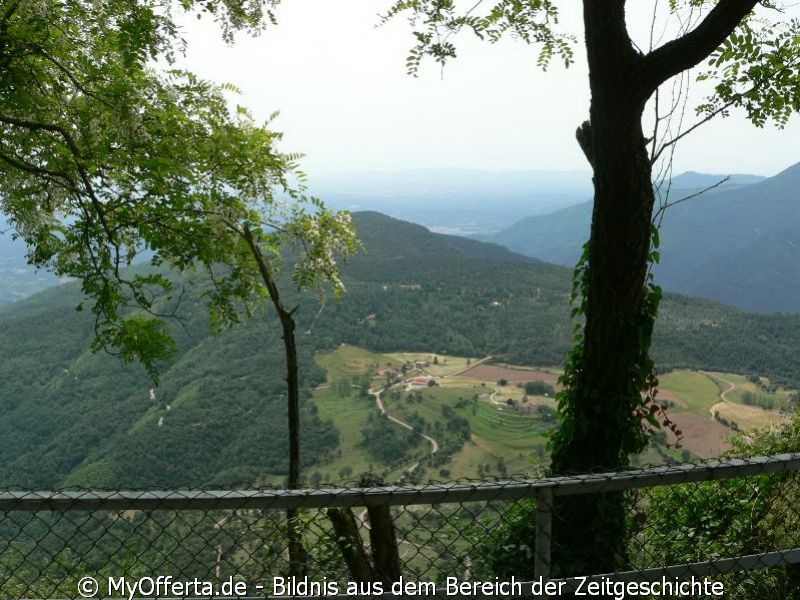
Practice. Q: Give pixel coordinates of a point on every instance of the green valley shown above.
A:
(485, 424)
(218, 417)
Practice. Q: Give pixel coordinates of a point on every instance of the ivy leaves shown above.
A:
(649, 416)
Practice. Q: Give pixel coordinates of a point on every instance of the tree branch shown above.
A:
(69, 75)
(36, 126)
(691, 48)
(51, 176)
(683, 134)
(659, 215)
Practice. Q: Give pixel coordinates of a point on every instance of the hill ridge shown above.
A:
(738, 244)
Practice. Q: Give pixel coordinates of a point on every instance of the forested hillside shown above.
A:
(738, 243)
(218, 416)
(70, 417)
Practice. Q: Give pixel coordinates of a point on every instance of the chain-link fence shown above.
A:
(731, 526)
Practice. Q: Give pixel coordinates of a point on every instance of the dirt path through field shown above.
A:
(722, 394)
(379, 403)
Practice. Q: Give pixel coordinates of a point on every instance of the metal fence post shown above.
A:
(544, 532)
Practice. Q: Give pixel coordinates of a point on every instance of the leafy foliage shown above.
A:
(539, 388)
(756, 69)
(435, 21)
(105, 159)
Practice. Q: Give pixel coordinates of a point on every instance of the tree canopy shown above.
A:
(106, 159)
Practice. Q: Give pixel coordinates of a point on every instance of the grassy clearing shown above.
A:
(504, 431)
(697, 390)
(748, 417)
(706, 393)
(517, 394)
(476, 457)
(349, 415)
(467, 460)
(347, 361)
(438, 364)
(744, 387)
(426, 403)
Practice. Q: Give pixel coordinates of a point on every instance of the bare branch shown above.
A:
(660, 212)
(683, 134)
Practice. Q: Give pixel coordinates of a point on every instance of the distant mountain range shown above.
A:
(738, 243)
(459, 201)
(537, 213)
(68, 417)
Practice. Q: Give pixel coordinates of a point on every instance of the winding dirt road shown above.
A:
(362, 516)
(722, 394)
(379, 403)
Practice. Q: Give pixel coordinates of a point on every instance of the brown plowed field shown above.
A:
(702, 437)
(494, 373)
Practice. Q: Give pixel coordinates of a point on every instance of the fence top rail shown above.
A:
(62, 501)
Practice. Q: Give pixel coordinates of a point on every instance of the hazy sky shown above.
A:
(347, 103)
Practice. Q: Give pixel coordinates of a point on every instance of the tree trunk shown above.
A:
(297, 554)
(619, 246)
(382, 535)
(589, 531)
(350, 545)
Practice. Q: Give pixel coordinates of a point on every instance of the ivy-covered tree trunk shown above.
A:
(616, 333)
(606, 371)
(610, 366)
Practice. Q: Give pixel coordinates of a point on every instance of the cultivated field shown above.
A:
(496, 373)
(482, 428)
